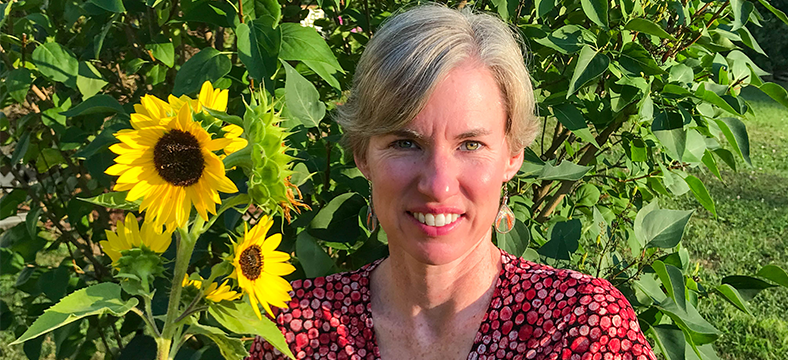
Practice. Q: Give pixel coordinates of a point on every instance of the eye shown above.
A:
(404, 144)
(471, 145)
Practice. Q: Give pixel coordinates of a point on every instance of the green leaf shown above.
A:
(258, 47)
(98, 104)
(114, 200)
(312, 256)
(115, 6)
(662, 228)
(636, 60)
(647, 27)
(231, 348)
(741, 13)
(10, 202)
(727, 157)
(543, 7)
(21, 148)
(596, 11)
(31, 221)
(56, 63)
(736, 133)
(668, 127)
(777, 12)
(302, 99)
(700, 192)
(714, 99)
(701, 331)
(673, 281)
(590, 65)
(573, 120)
(563, 240)
(98, 40)
(587, 195)
(747, 286)
(207, 65)
(89, 80)
(516, 241)
(506, 8)
(710, 163)
(17, 83)
(566, 170)
(163, 50)
(97, 299)
(732, 295)
(776, 92)
(774, 273)
(671, 340)
(239, 318)
(681, 73)
(750, 41)
(567, 39)
(300, 43)
(338, 220)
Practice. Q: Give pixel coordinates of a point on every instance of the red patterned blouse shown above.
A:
(536, 312)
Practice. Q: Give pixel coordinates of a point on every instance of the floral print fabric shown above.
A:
(537, 312)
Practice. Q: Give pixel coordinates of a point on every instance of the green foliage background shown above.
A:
(638, 99)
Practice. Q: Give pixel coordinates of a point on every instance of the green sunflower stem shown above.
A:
(182, 257)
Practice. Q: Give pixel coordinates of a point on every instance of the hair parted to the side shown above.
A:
(413, 51)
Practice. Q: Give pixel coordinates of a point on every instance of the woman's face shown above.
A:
(437, 182)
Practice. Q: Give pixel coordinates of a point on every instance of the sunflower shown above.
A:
(171, 165)
(215, 292)
(129, 235)
(259, 268)
(214, 99)
(233, 132)
(219, 293)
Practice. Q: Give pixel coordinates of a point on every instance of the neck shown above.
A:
(414, 292)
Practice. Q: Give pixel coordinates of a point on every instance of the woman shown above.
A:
(438, 117)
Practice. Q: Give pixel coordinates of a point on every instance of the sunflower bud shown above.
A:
(265, 160)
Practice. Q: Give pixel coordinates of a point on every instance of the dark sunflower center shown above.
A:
(178, 158)
(251, 262)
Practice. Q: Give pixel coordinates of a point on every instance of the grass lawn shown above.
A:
(751, 231)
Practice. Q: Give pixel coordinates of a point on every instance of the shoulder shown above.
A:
(328, 314)
(569, 312)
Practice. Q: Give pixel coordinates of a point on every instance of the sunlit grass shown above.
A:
(751, 231)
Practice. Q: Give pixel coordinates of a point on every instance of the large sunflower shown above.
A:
(259, 268)
(171, 165)
(129, 235)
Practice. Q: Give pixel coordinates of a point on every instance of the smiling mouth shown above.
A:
(436, 220)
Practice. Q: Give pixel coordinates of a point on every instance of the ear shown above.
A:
(513, 164)
(361, 164)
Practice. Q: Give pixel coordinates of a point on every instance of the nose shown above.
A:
(439, 178)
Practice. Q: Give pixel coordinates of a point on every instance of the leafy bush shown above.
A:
(635, 97)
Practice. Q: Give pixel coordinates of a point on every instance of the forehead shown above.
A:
(467, 99)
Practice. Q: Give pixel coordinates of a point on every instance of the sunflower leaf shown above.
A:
(114, 200)
(239, 318)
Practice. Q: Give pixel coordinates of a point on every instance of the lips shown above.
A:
(436, 220)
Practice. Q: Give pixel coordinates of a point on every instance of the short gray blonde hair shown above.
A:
(413, 51)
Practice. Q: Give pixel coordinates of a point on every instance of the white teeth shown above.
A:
(436, 220)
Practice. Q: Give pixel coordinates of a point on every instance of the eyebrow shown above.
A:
(415, 135)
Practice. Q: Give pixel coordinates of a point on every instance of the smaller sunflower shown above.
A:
(129, 235)
(259, 268)
(218, 293)
(214, 292)
(214, 99)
